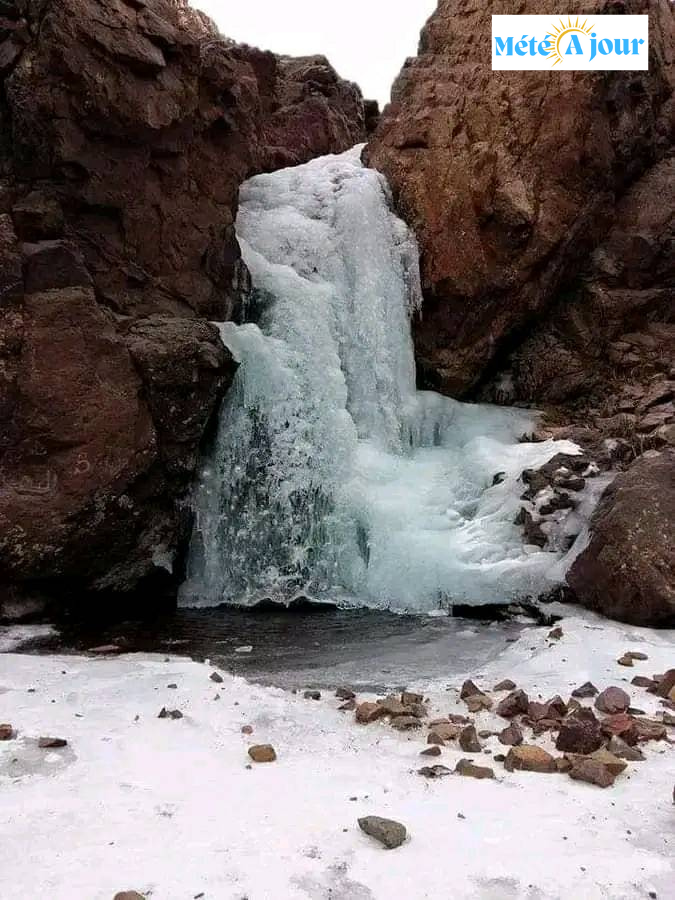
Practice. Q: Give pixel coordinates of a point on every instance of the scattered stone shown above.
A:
(511, 736)
(586, 690)
(51, 743)
(468, 740)
(446, 733)
(537, 711)
(216, 677)
(106, 650)
(434, 750)
(406, 723)
(650, 730)
(625, 661)
(262, 753)
(666, 684)
(499, 757)
(516, 702)
(172, 687)
(369, 712)
(633, 654)
(165, 713)
(392, 706)
(129, 895)
(418, 710)
(668, 719)
(477, 702)
(563, 764)
(612, 700)
(349, 706)
(556, 634)
(557, 708)
(580, 733)
(469, 770)
(611, 762)
(623, 726)
(592, 772)
(389, 833)
(312, 695)
(247, 729)
(528, 758)
(644, 682)
(6, 732)
(410, 699)
(458, 719)
(506, 685)
(344, 693)
(434, 771)
(469, 689)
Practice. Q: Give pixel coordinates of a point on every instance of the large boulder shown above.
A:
(126, 129)
(510, 180)
(627, 571)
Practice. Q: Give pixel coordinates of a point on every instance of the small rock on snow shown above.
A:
(388, 832)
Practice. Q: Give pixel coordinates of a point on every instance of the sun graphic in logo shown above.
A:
(556, 35)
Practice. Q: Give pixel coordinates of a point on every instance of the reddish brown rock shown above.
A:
(528, 758)
(627, 571)
(666, 684)
(469, 689)
(623, 726)
(511, 736)
(468, 740)
(505, 685)
(592, 772)
(612, 700)
(434, 750)
(469, 770)
(580, 733)
(586, 690)
(515, 703)
(507, 210)
(127, 130)
(6, 732)
(262, 753)
(369, 712)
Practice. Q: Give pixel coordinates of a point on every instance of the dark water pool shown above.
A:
(363, 648)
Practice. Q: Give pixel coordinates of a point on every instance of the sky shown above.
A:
(365, 40)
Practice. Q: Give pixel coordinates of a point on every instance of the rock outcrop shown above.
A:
(628, 570)
(542, 202)
(126, 127)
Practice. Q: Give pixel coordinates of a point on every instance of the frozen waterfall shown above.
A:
(331, 476)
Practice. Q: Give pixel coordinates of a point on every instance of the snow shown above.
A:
(331, 474)
(170, 808)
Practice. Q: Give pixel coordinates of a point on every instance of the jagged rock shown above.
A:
(410, 699)
(627, 571)
(623, 726)
(514, 704)
(643, 682)
(476, 702)
(127, 128)
(369, 712)
(434, 750)
(469, 689)
(649, 730)
(165, 713)
(612, 700)
(586, 690)
(388, 832)
(528, 758)
(625, 661)
(348, 706)
(247, 729)
(392, 706)
(343, 693)
(506, 685)
(406, 723)
(216, 677)
(312, 695)
(666, 684)
(609, 760)
(592, 772)
(435, 771)
(580, 733)
(52, 743)
(6, 732)
(622, 750)
(129, 895)
(469, 770)
(511, 736)
(446, 143)
(468, 740)
(556, 633)
(445, 732)
(262, 753)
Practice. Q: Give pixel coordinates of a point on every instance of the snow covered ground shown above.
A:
(173, 810)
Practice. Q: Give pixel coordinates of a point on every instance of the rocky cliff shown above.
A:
(512, 181)
(126, 127)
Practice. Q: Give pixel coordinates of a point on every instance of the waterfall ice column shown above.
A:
(330, 474)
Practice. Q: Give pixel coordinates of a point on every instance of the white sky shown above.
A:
(366, 40)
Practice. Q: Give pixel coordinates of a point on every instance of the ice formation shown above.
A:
(331, 475)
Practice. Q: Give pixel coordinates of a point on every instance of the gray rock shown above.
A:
(388, 832)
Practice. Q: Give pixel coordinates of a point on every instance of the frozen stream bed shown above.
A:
(172, 809)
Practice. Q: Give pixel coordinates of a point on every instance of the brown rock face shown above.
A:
(628, 570)
(510, 180)
(125, 131)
